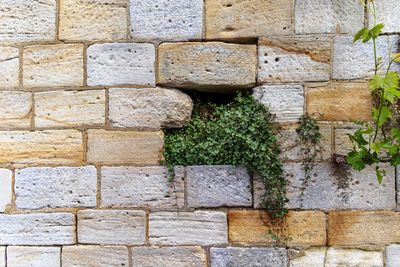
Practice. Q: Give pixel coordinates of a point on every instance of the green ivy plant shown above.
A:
(373, 143)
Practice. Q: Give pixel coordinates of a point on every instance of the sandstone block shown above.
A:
(352, 257)
(386, 13)
(33, 256)
(2, 256)
(393, 255)
(15, 109)
(61, 187)
(70, 108)
(213, 66)
(113, 147)
(5, 189)
(37, 229)
(314, 257)
(188, 228)
(112, 227)
(9, 66)
(149, 108)
(121, 63)
(99, 256)
(53, 65)
(93, 20)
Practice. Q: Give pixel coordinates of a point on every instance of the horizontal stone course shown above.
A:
(15, 110)
(99, 256)
(5, 189)
(353, 257)
(33, 256)
(9, 66)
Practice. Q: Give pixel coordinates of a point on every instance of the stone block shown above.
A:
(15, 110)
(353, 257)
(9, 66)
(99, 256)
(393, 255)
(386, 13)
(5, 189)
(33, 256)
(313, 257)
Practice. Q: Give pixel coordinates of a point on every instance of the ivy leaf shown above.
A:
(361, 34)
(356, 159)
(379, 174)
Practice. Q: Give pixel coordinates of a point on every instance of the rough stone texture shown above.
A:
(149, 108)
(314, 257)
(121, 63)
(355, 61)
(286, 101)
(188, 228)
(95, 256)
(343, 143)
(61, 187)
(37, 229)
(364, 229)
(294, 59)
(328, 16)
(5, 189)
(212, 66)
(25, 21)
(339, 101)
(9, 66)
(166, 20)
(303, 228)
(93, 20)
(15, 109)
(339, 187)
(169, 256)
(113, 147)
(244, 257)
(142, 187)
(2, 256)
(337, 257)
(53, 65)
(387, 13)
(246, 19)
(33, 256)
(41, 147)
(217, 186)
(393, 256)
(113, 227)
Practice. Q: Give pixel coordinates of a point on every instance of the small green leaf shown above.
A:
(355, 159)
(376, 30)
(384, 115)
(379, 174)
(361, 34)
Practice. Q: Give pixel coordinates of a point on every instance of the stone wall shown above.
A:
(84, 98)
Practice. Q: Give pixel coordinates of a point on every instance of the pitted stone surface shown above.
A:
(337, 257)
(217, 186)
(95, 256)
(33, 256)
(142, 187)
(149, 108)
(314, 257)
(121, 63)
(15, 109)
(61, 187)
(393, 256)
(37, 229)
(386, 13)
(5, 189)
(112, 227)
(166, 20)
(243, 257)
(9, 66)
(188, 228)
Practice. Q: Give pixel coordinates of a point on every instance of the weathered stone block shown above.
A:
(247, 19)
(41, 147)
(15, 109)
(386, 13)
(53, 65)
(314, 257)
(343, 144)
(393, 255)
(113, 147)
(149, 108)
(166, 20)
(233, 256)
(112, 227)
(37, 229)
(99, 256)
(5, 189)
(33, 256)
(353, 257)
(2, 256)
(93, 20)
(285, 101)
(169, 256)
(121, 63)
(217, 186)
(188, 228)
(213, 66)
(142, 187)
(294, 59)
(27, 21)
(61, 187)
(9, 66)
(70, 108)
(328, 16)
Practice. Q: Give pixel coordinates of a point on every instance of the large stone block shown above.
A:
(114, 147)
(15, 109)
(5, 189)
(112, 227)
(9, 66)
(386, 13)
(212, 66)
(188, 228)
(37, 229)
(121, 63)
(27, 21)
(169, 256)
(243, 257)
(314, 257)
(41, 147)
(217, 186)
(294, 59)
(93, 20)
(33, 256)
(98, 256)
(149, 108)
(61, 187)
(53, 65)
(142, 187)
(393, 256)
(353, 257)
(166, 20)
(239, 19)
